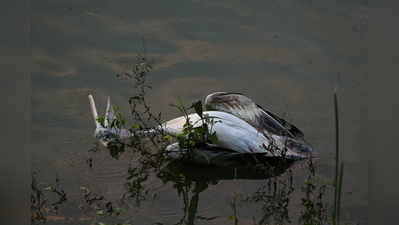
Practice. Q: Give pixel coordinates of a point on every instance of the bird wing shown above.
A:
(296, 132)
(244, 108)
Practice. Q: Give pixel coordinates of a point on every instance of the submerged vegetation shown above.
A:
(45, 199)
(273, 199)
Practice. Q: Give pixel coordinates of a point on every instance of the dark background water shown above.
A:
(285, 55)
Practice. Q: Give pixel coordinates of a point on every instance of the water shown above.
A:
(285, 55)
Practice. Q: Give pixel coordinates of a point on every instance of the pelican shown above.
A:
(240, 126)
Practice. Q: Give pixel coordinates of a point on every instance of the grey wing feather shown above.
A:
(279, 123)
(244, 108)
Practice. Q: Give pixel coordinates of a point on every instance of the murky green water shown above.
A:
(285, 55)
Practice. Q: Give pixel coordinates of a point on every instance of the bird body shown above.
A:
(242, 128)
(231, 131)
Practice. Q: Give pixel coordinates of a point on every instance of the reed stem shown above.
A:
(336, 116)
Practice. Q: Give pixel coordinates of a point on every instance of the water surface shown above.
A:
(285, 55)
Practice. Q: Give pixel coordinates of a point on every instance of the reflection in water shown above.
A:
(45, 199)
(203, 176)
(185, 186)
(314, 209)
(274, 198)
(190, 179)
(238, 166)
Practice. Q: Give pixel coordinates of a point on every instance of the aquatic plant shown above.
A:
(42, 203)
(195, 136)
(339, 167)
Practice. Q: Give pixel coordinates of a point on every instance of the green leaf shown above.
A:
(168, 137)
(136, 126)
(101, 120)
(49, 188)
(100, 212)
(197, 106)
(213, 139)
